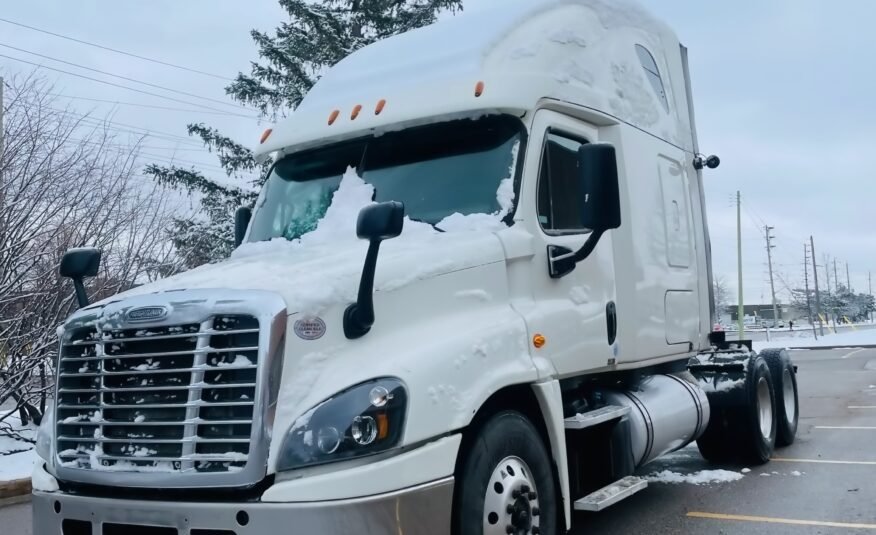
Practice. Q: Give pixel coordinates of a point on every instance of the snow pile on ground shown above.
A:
(703, 477)
(16, 456)
(861, 336)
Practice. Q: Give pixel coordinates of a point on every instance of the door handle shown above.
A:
(611, 321)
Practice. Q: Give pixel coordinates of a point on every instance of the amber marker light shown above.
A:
(382, 426)
(380, 105)
(539, 341)
(265, 135)
(334, 117)
(356, 111)
(479, 89)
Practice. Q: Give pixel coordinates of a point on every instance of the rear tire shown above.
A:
(757, 418)
(742, 425)
(505, 479)
(787, 399)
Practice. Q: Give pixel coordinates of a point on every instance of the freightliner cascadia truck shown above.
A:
(473, 297)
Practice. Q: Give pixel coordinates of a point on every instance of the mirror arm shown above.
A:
(359, 317)
(562, 261)
(588, 247)
(81, 295)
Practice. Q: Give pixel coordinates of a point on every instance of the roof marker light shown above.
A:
(333, 117)
(380, 105)
(265, 135)
(479, 89)
(356, 110)
(539, 341)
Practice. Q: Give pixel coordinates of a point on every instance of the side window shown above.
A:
(559, 198)
(653, 74)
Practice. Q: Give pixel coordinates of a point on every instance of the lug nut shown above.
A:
(532, 496)
(509, 529)
(524, 488)
(535, 511)
(535, 530)
(509, 509)
(515, 494)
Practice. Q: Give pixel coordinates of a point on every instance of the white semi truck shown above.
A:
(472, 298)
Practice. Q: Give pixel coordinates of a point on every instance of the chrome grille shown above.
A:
(170, 398)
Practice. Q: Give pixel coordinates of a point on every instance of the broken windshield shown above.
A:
(436, 171)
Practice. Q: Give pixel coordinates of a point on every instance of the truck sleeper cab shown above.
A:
(472, 297)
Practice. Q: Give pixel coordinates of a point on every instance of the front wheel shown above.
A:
(505, 483)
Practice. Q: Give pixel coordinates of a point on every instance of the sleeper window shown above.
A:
(559, 197)
(653, 74)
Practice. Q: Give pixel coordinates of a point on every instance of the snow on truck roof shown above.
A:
(608, 55)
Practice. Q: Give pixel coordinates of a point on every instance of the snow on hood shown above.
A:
(323, 267)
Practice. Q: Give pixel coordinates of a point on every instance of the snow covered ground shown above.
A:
(16, 456)
(865, 335)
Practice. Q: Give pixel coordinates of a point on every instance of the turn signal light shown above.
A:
(334, 117)
(265, 135)
(382, 426)
(539, 341)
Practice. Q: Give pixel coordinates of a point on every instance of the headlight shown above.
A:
(363, 420)
(45, 433)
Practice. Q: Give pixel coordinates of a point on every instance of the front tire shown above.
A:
(505, 480)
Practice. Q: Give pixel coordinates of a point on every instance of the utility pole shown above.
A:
(740, 309)
(848, 280)
(806, 281)
(817, 294)
(769, 247)
(870, 291)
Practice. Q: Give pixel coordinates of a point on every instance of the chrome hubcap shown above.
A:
(511, 500)
(764, 407)
(788, 396)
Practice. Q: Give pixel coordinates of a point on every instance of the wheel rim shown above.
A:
(764, 407)
(789, 399)
(511, 500)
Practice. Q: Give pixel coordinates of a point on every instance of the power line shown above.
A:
(105, 73)
(111, 83)
(117, 51)
(132, 129)
(141, 105)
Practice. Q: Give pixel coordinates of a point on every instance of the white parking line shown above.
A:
(847, 355)
(855, 427)
(862, 406)
(771, 520)
(823, 461)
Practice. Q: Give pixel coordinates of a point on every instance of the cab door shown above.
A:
(575, 313)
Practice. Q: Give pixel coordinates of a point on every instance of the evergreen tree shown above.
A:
(317, 35)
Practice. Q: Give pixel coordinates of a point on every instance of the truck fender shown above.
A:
(550, 402)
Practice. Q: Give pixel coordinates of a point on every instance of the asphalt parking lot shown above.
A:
(823, 484)
(834, 455)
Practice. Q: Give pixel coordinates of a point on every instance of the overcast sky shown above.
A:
(784, 94)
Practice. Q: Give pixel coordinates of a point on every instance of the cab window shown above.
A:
(559, 198)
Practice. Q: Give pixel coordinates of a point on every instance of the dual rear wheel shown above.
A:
(750, 420)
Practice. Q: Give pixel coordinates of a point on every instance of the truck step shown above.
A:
(611, 494)
(595, 417)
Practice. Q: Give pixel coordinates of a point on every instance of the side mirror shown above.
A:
(242, 217)
(77, 264)
(598, 187)
(382, 221)
(376, 223)
(600, 198)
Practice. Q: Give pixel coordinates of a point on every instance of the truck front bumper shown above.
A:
(424, 510)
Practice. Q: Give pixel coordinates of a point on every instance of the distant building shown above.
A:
(786, 312)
